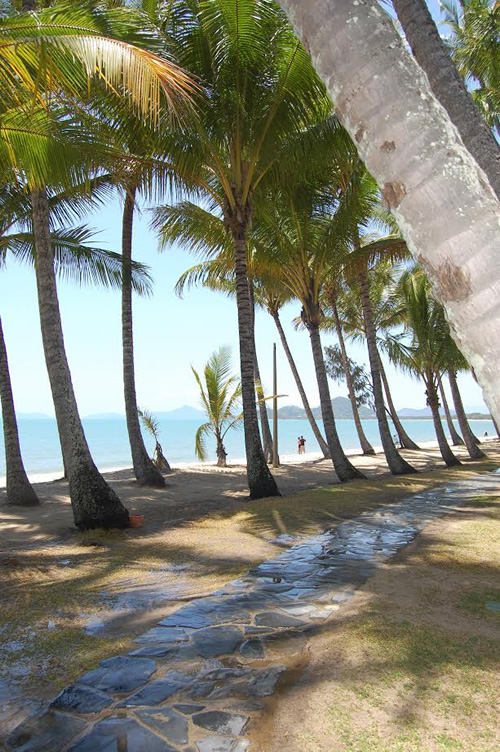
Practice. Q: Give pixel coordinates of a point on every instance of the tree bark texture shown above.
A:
(20, 492)
(261, 483)
(94, 503)
(433, 402)
(448, 85)
(404, 439)
(441, 199)
(267, 439)
(343, 467)
(300, 387)
(366, 447)
(144, 469)
(456, 439)
(397, 465)
(474, 451)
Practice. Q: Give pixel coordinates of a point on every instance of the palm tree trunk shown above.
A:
(420, 163)
(305, 402)
(404, 439)
(144, 469)
(448, 86)
(20, 492)
(456, 439)
(261, 483)
(94, 503)
(366, 447)
(397, 465)
(343, 467)
(221, 453)
(474, 451)
(267, 439)
(433, 402)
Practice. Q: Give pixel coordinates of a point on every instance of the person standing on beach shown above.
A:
(302, 445)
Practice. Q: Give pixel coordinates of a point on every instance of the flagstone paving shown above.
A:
(198, 680)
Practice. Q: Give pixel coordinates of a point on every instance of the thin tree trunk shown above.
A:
(94, 503)
(397, 465)
(433, 402)
(474, 451)
(343, 467)
(267, 439)
(456, 439)
(366, 447)
(447, 84)
(404, 439)
(424, 171)
(20, 492)
(305, 402)
(144, 469)
(221, 453)
(261, 483)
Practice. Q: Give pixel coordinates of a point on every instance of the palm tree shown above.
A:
(420, 164)
(220, 396)
(262, 100)
(434, 58)
(422, 348)
(456, 439)
(152, 426)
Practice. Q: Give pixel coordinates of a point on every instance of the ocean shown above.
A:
(108, 442)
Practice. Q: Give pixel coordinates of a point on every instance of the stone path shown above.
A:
(197, 681)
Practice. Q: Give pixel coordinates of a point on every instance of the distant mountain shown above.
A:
(341, 409)
(186, 412)
(34, 416)
(411, 412)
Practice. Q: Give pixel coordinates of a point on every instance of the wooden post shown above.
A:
(276, 459)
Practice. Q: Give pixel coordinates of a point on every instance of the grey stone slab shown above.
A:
(252, 649)
(50, 732)
(187, 616)
(277, 619)
(221, 721)
(164, 635)
(188, 709)
(81, 699)
(115, 734)
(201, 689)
(298, 609)
(265, 682)
(169, 723)
(154, 650)
(214, 641)
(152, 693)
(119, 674)
(218, 743)
(221, 673)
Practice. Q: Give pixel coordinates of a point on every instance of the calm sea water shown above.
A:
(108, 442)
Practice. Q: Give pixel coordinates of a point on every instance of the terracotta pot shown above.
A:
(136, 520)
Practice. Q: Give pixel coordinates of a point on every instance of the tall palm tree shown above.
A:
(262, 99)
(420, 164)
(456, 439)
(220, 397)
(422, 348)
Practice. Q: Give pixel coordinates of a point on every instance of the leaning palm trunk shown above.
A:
(456, 439)
(267, 439)
(405, 138)
(144, 469)
(19, 490)
(366, 447)
(404, 439)
(305, 402)
(397, 465)
(474, 451)
(94, 503)
(433, 402)
(343, 467)
(221, 452)
(448, 86)
(260, 481)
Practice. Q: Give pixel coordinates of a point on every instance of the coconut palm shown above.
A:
(152, 426)
(422, 348)
(220, 397)
(420, 164)
(456, 439)
(262, 100)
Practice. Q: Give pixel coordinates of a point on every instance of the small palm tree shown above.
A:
(220, 397)
(152, 426)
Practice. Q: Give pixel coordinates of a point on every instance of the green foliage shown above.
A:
(363, 390)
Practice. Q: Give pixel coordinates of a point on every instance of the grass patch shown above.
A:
(476, 602)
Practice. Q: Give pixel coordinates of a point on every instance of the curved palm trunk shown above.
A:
(94, 503)
(267, 439)
(474, 451)
(397, 465)
(423, 169)
(20, 492)
(221, 452)
(366, 447)
(447, 84)
(404, 439)
(260, 480)
(456, 439)
(160, 460)
(144, 469)
(305, 402)
(433, 402)
(343, 467)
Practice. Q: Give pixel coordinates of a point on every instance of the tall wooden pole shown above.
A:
(276, 459)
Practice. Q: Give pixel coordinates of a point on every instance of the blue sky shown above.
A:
(170, 336)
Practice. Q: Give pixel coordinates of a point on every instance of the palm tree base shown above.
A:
(152, 478)
(94, 503)
(403, 468)
(26, 498)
